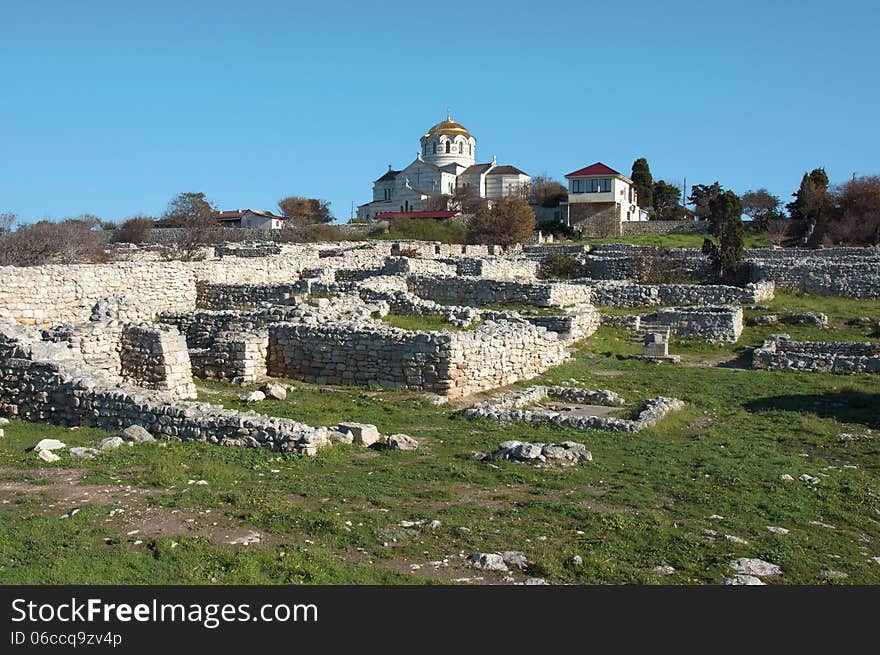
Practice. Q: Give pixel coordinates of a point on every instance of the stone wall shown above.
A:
(481, 292)
(44, 381)
(156, 358)
(239, 357)
(849, 276)
(713, 323)
(499, 268)
(230, 296)
(662, 227)
(370, 353)
(624, 294)
(827, 357)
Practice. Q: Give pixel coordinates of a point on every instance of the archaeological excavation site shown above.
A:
(411, 411)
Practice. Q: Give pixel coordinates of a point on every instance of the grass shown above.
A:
(678, 240)
(645, 500)
(428, 323)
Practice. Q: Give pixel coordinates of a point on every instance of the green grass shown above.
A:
(678, 240)
(429, 323)
(645, 499)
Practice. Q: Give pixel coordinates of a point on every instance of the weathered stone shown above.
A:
(137, 433)
(402, 442)
(83, 453)
(758, 567)
(275, 391)
(488, 561)
(254, 397)
(741, 579)
(47, 456)
(48, 444)
(364, 434)
(110, 443)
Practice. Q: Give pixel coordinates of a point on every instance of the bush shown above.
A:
(557, 228)
(134, 230)
(73, 241)
(428, 229)
(658, 266)
(507, 222)
(560, 266)
(312, 234)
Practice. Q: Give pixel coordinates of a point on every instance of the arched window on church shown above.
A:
(471, 149)
(435, 147)
(448, 147)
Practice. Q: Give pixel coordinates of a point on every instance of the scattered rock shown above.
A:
(2, 433)
(137, 434)
(110, 443)
(765, 319)
(251, 537)
(437, 400)
(70, 514)
(48, 444)
(828, 574)
(664, 570)
(777, 530)
(523, 451)
(254, 397)
(83, 453)
(4, 421)
(48, 456)
(741, 579)
(402, 442)
(363, 434)
(785, 477)
(843, 437)
(488, 561)
(432, 524)
(809, 479)
(575, 562)
(337, 436)
(515, 558)
(750, 566)
(823, 525)
(535, 581)
(817, 319)
(275, 391)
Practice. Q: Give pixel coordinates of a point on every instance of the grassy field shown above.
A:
(679, 240)
(166, 512)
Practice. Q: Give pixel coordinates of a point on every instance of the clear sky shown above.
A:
(111, 108)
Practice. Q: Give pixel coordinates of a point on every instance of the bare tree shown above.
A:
(7, 220)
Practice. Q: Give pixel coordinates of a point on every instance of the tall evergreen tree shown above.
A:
(666, 202)
(725, 224)
(812, 203)
(644, 183)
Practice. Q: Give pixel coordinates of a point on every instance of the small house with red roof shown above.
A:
(600, 198)
(253, 218)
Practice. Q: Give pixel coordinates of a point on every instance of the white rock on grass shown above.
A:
(664, 570)
(254, 397)
(110, 443)
(83, 453)
(48, 444)
(741, 579)
(777, 530)
(338, 436)
(515, 558)
(752, 566)
(488, 561)
(2, 433)
(48, 456)
(4, 421)
(402, 442)
(137, 433)
(364, 434)
(828, 574)
(275, 391)
(785, 477)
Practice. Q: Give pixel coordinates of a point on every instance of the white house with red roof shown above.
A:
(446, 163)
(600, 196)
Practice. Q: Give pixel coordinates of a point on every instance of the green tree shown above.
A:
(546, 192)
(187, 210)
(305, 211)
(701, 195)
(644, 183)
(726, 226)
(762, 207)
(667, 202)
(812, 203)
(508, 221)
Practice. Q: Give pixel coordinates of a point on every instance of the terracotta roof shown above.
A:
(506, 170)
(594, 169)
(236, 214)
(418, 214)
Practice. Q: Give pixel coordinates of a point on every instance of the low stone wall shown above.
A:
(229, 296)
(239, 357)
(452, 363)
(624, 294)
(514, 406)
(247, 250)
(713, 323)
(481, 292)
(578, 323)
(156, 358)
(498, 268)
(44, 381)
(858, 277)
(827, 357)
(662, 227)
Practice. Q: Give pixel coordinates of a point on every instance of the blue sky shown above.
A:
(111, 108)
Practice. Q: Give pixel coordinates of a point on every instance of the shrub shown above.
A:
(560, 266)
(134, 230)
(508, 221)
(428, 229)
(73, 241)
(312, 234)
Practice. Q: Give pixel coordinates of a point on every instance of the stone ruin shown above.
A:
(779, 352)
(120, 344)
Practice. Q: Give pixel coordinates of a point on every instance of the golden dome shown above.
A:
(448, 126)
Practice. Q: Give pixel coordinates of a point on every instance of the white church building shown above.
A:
(446, 162)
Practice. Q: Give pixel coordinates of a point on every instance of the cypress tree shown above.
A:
(644, 183)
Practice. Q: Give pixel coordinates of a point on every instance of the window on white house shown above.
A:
(448, 147)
